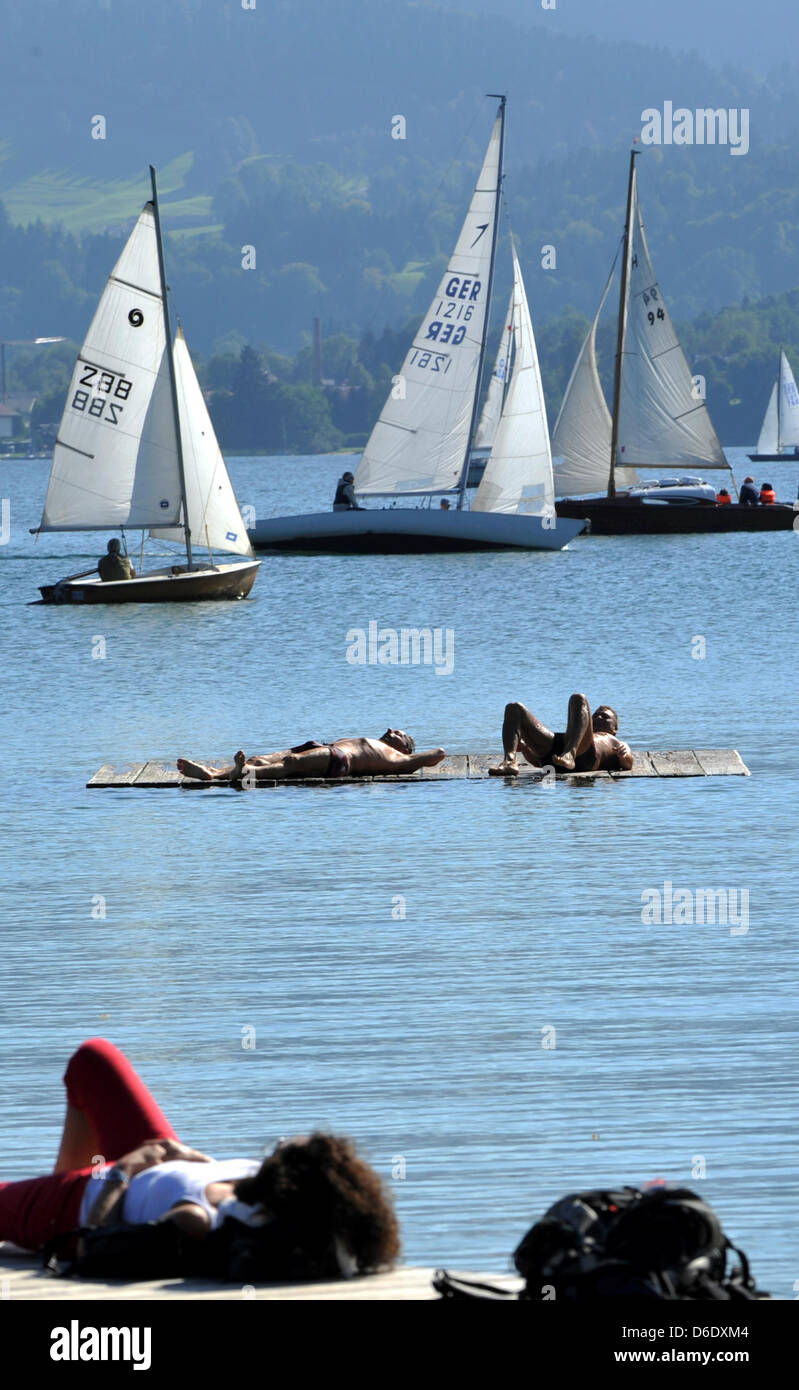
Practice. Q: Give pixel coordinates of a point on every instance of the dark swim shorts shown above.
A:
(584, 762)
(339, 765)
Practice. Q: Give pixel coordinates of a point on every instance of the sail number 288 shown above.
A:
(113, 390)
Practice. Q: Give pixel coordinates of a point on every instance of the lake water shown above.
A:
(428, 1037)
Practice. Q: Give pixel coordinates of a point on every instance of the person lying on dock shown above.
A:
(311, 1209)
(589, 743)
(392, 754)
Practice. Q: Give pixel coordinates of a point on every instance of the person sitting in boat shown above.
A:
(345, 499)
(394, 753)
(316, 1208)
(589, 743)
(444, 504)
(748, 496)
(115, 565)
(723, 497)
(768, 497)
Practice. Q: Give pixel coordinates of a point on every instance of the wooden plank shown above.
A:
(721, 762)
(474, 766)
(642, 766)
(125, 777)
(677, 763)
(156, 775)
(101, 776)
(22, 1276)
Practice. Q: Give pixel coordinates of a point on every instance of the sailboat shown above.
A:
(136, 447)
(420, 447)
(658, 421)
(780, 430)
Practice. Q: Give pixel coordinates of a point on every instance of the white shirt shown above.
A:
(153, 1192)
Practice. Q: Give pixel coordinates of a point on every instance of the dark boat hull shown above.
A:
(621, 516)
(774, 458)
(172, 585)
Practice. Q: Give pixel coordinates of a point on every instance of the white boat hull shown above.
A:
(412, 529)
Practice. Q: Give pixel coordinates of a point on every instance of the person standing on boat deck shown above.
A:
(589, 743)
(345, 499)
(115, 565)
(394, 753)
(749, 496)
(315, 1206)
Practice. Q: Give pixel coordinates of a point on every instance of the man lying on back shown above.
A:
(392, 754)
(589, 743)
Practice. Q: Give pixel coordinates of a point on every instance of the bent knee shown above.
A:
(581, 699)
(515, 707)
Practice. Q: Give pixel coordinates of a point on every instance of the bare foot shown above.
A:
(505, 769)
(563, 762)
(239, 764)
(196, 770)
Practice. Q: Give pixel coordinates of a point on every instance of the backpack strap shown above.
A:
(450, 1286)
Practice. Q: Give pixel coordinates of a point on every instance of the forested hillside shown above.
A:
(272, 130)
(285, 197)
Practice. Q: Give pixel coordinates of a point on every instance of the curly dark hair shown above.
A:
(320, 1194)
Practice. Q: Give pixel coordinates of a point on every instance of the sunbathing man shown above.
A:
(394, 752)
(588, 745)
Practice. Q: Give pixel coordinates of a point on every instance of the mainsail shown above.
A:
(115, 460)
(582, 434)
(518, 475)
(214, 517)
(419, 443)
(663, 420)
(492, 406)
(769, 438)
(789, 406)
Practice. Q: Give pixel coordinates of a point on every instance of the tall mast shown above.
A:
(625, 276)
(481, 364)
(172, 378)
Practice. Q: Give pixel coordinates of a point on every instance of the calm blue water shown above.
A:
(674, 1045)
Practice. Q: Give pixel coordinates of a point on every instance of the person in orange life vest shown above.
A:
(768, 497)
(723, 497)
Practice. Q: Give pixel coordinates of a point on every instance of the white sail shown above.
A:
(789, 406)
(492, 406)
(419, 442)
(214, 517)
(768, 439)
(518, 475)
(115, 460)
(662, 419)
(582, 435)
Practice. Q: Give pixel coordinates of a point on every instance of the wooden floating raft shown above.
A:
(691, 762)
(22, 1276)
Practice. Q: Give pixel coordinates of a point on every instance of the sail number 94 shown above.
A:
(113, 390)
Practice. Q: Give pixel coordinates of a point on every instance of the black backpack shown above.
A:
(665, 1243)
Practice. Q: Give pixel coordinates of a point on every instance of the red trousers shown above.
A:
(122, 1114)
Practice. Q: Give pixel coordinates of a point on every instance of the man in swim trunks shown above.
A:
(588, 745)
(391, 754)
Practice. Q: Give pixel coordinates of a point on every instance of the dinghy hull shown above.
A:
(409, 530)
(621, 516)
(174, 584)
